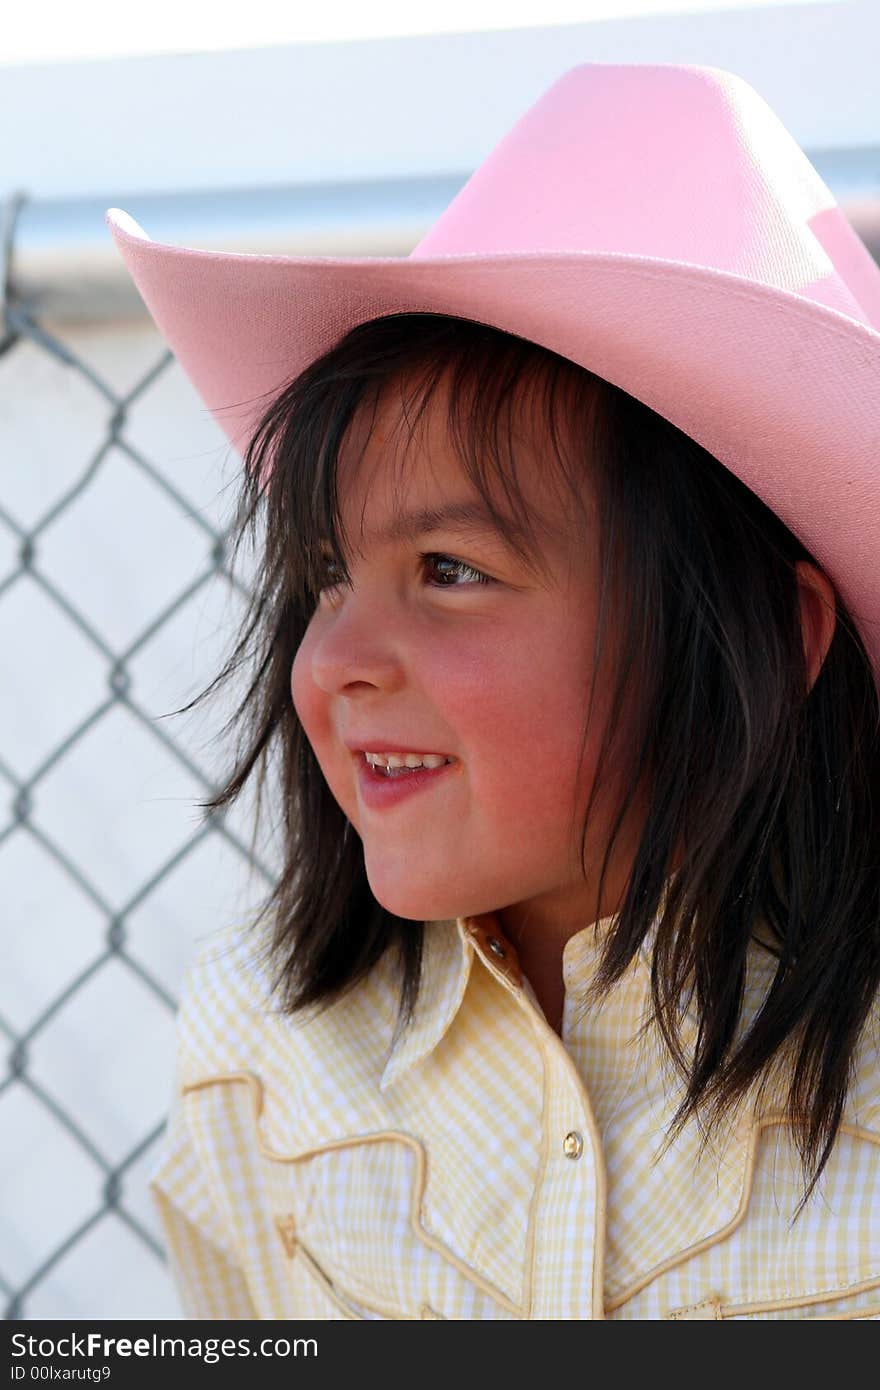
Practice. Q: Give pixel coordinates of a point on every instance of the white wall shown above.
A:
(397, 107)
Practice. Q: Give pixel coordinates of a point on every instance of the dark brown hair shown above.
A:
(770, 787)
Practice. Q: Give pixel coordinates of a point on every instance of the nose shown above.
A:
(358, 643)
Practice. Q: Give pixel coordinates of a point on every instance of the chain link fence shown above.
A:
(94, 945)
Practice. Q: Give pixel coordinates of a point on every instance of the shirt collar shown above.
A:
(448, 952)
(446, 968)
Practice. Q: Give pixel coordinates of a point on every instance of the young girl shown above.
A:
(564, 1005)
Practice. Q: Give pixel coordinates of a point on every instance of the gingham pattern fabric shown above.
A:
(480, 1165)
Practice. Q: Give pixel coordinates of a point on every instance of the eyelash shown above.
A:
(478, 576)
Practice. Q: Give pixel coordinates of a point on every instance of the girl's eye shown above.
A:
(445, 565)
(474, 576)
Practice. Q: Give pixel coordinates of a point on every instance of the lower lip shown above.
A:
(379, 791)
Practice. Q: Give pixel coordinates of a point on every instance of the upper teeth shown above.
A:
(407, 759)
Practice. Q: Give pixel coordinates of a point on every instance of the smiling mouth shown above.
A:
(389, 772)
(375, 778)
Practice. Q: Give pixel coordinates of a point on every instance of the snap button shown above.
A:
(496, 947)
(572, 1144)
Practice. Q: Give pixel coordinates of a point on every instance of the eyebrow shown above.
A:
(466, 516)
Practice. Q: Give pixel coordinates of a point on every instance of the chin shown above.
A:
(415, 902)
(421, 905)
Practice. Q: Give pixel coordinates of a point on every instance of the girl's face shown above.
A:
(418, 653)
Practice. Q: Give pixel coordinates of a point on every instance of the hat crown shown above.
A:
(669, 161)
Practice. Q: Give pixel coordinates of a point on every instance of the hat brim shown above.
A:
(784, 391)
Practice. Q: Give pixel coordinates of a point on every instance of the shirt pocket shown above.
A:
(822, 1262)
(321, 1297)
(859, 1303)
(348, 1216)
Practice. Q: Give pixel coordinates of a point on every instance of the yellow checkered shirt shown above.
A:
(483, 1166)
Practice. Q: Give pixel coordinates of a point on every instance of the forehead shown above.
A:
(401, 462)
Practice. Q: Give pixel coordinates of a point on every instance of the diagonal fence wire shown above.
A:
(20, 325)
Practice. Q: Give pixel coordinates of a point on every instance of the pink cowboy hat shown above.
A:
(655, 223)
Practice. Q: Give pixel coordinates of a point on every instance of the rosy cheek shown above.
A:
(309, 700)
